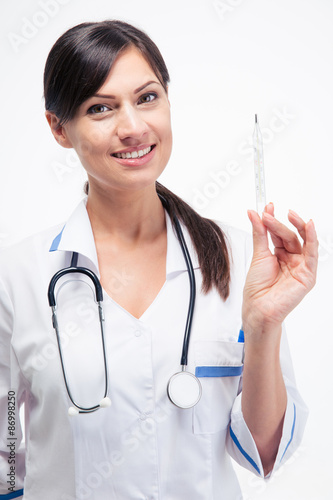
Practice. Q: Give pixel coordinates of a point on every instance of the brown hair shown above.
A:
(90, 49)
(208, 240)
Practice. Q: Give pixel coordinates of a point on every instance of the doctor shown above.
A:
(106, 96)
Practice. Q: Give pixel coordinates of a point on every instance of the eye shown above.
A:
(97, 109)
(145, 98)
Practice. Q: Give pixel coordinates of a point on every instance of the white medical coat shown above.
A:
(142, 447)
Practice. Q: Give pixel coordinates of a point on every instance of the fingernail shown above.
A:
(293, 213)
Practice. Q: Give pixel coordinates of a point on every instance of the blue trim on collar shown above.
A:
(56, 241)
(241, 336)
(292, 433)
(14, 494)
(243, 452)
(218, 371)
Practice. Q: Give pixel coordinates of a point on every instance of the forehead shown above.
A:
(130, 69)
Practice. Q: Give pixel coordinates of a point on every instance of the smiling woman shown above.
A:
(164, 270)
(111, 129)
(133, 115)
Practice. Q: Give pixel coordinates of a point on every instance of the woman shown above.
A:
(106, 96)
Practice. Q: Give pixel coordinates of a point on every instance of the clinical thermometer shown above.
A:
(259, 168)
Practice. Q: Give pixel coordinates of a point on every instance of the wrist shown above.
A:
(264, 328)
(260, 319)
(262, 339)
(262, 351)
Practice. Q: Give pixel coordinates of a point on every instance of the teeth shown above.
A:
(134, 154)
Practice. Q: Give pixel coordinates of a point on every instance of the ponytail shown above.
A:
(208, 240)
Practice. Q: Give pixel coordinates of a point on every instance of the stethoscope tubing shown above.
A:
(183, 360)
(69, 270)
(99, 299)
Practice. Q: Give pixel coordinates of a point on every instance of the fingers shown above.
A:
(309, 253)
(310, 247)
(307, 232)
(299, 223)
(259, 232)
(284, 239)
(282, 236)
(277, 242)
(269, 208)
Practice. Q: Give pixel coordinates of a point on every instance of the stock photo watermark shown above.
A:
(50, 350)
(88, 314)
(221, 179)
(225, 7)
(70, 164)
(11, 441)
(117, 281)
(130, 442)
(256, 486)
(32, 25)
(325, 247)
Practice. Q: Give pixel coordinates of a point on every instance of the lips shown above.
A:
(135, 156)
(133, 153)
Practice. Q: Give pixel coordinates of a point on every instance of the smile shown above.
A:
(134, 154)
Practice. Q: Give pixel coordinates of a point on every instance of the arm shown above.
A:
(264, 398)
(275, 285)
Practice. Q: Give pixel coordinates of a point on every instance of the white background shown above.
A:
(228, 60)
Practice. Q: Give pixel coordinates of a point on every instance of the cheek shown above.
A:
(165, 130)
(92, 143)
(169, 139)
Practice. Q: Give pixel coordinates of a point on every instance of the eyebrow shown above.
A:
(136, 91)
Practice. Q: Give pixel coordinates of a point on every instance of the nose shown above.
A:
(131, 124)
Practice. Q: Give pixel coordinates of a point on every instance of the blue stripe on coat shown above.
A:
(218, 371)
(14, 494)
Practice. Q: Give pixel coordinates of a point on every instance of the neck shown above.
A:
(129, 217)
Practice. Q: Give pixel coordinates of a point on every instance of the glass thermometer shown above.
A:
(259, 168)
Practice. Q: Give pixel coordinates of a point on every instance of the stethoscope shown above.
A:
(184, 388)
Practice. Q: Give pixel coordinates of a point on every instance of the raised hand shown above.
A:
(277, 282)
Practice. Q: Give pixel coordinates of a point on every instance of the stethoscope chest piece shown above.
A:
(184, 389)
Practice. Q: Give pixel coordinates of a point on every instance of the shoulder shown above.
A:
(27, 253)
(42, 238)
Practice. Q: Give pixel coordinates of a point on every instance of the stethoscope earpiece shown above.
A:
(72, 411)
(105, 403)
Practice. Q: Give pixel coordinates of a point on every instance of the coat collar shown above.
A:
(77, 236)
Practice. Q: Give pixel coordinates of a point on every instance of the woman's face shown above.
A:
(122, 135)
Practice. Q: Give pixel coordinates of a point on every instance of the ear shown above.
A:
(58, 130)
